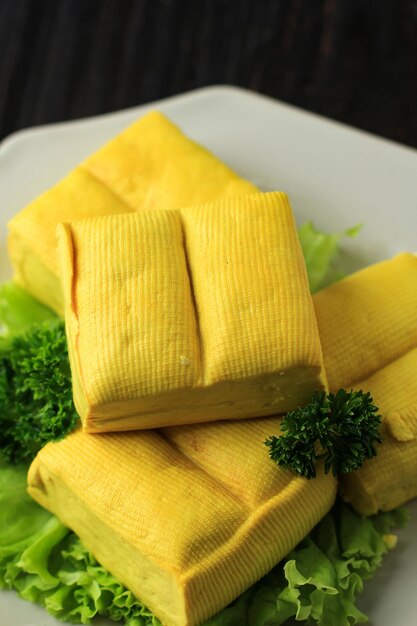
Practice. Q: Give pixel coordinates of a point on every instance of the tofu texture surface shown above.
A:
(189, 315)
(368, 330)
(149, 165)
(186, 517)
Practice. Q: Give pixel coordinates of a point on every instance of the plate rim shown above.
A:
(20, 137)
(214, 90)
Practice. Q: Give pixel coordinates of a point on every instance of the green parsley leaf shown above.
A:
(339, 429)
(36, 403)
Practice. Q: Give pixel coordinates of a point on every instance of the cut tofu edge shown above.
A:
(29, 270)
(384, 482)
(157, 584)
(389, 479)
(257, 396)
(394, 391)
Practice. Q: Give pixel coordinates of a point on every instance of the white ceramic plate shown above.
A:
(334, 175)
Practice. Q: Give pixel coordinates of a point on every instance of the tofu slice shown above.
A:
(368, 319)
(390, 479)
(189, 315)
(150, 164)
(368, 331)
(186, 517)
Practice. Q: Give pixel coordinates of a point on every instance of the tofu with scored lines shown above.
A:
(190, 315)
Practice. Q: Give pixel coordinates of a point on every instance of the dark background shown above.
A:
(352, 60)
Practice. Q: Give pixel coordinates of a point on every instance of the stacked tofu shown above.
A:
(150, 165)
(368, 332)
(188, 315)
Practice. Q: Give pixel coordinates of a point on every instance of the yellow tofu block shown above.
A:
(389, 479)
(188, 517)
(368, 331)
(189, 315)
(149, 165)
(368, 319)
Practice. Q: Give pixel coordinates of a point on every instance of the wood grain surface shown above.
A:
(351, 60)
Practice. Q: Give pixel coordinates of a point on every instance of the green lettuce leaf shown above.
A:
(20, 517)
(18, 312)
(319, 581)
(321, 253)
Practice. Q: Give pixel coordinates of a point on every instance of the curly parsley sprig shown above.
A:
(36, 403)
(340, 429)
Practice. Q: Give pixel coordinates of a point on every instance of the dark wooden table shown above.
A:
(352, 60)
